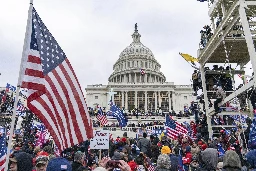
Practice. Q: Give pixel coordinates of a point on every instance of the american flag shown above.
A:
(21, 109)
(101, 117)
(3, 149)
(54, 93)
(173, 128)
(142, 71)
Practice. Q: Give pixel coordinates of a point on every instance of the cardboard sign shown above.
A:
(100, 139)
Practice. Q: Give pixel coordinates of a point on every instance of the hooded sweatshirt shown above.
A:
(24, 161)
(209, 159)
(231, 161)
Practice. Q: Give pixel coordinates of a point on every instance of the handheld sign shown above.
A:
(100, 139)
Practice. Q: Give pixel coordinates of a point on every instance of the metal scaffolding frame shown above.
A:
(242, 49)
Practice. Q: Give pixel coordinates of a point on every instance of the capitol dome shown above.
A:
(136, 64)
(136, 48)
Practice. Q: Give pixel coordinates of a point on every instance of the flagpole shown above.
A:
(28, 28)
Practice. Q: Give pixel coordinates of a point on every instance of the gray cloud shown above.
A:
(94, 32)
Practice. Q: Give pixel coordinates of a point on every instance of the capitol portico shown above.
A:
(138, 83)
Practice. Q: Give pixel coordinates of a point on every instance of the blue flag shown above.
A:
(117, 112)
(10, 87)
(252, 134)
(221, 151)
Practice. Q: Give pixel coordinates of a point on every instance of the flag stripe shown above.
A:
(34, 73)
(63, 97)
(85, 118)
(34, 59)
(34, 86)
(58, 99)
(67, 92)
(83, 115)
(44, 114)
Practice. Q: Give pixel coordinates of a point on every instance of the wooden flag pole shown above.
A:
(26, 41)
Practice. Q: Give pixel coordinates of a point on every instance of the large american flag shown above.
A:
(101, 117)
(173, 128)
(54, 93)
(3, 150)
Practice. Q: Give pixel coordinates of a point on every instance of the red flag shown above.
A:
(54, 93)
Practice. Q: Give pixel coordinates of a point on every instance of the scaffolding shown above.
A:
(232, 42)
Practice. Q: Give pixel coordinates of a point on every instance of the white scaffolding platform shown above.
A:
(235, 35)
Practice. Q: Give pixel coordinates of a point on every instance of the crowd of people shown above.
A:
(226, 152)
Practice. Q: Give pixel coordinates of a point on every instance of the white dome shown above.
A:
(136, 48)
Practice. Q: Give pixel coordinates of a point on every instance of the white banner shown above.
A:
(100, 139)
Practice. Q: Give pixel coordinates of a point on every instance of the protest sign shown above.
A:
(100, 139)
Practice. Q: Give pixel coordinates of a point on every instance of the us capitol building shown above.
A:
(138, 83)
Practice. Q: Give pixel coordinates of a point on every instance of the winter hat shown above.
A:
(24, 161)
(59, 164)
(42, 158)
(200, 143)
(165, 150)
(123, 139)
(231, 159)
(163, 161)
(251, 158)
(204, 146)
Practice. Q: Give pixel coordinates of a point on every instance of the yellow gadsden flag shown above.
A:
(189, 58)
(161, 136)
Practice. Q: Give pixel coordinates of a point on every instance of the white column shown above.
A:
(174, 102)
(140, 78)
(135, 77)
(135, 99)
(130, 77)
(122, 99)
(159, 99)
(120, 78)
(146, 78)
(126, 100)
(127, 77)
(248, 35)
(170, 103)
(146, 101)
(155, 79)
(155, 101)
(206, 102)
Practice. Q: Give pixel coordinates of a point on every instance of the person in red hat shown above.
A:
(204, 146)
(41, 162)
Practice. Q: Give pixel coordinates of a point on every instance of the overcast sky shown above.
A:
(93, 33)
